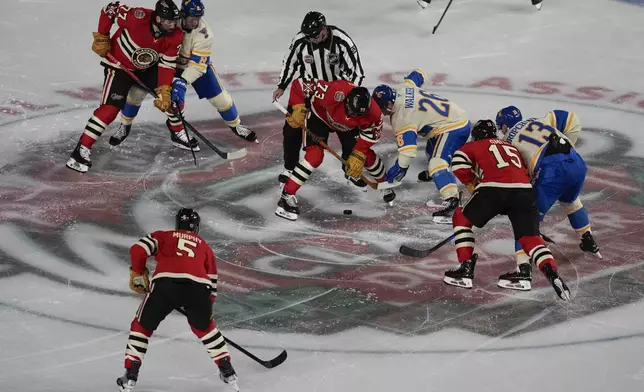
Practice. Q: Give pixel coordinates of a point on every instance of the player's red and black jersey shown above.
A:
(134, 45)
(490, 163)
(327, 103)
(180, 254)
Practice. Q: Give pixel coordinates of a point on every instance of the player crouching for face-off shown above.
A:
(417, 112)
(146, 43)
(185, 278)
(342, 108)
(194, 67)
(492, 169)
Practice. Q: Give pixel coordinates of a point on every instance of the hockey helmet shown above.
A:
(508, 116)
(383, 95)
(313, 24)
(192, 8)
(357, 102)
(188, 219)
(484, 129)
(166, 9)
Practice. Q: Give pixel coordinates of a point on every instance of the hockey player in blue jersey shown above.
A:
(193, 67)
(415, 112)
(557, 172)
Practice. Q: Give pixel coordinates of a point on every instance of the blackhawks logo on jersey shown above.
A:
(144, 58)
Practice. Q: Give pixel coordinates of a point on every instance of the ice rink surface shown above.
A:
(332, 289)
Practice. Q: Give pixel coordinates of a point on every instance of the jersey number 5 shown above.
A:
(186, 246)
(510, 151)
(438, 103)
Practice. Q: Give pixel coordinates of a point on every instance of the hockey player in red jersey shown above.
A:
(492, 169)
(185, 277)
(147, 43)
(342, 108)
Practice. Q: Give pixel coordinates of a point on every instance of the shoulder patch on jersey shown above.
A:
(354, 49)
(308, 59)
(204, 31)
(339, 96)
(139, 14)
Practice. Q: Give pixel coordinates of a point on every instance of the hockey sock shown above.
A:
(214, 342)
(103, 116)
(445, 183)
(137, 344)
(463, 236)
(226, 108)
(129, 112)
(536, 249)
(578, 216)
(312, 159)
(374, 166)
(520, 254)
(174, 123)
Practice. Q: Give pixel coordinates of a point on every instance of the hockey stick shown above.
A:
(408, 251)
(177, 111)
(278, 360)
(372, 184)
(226, 155)
(442, 16)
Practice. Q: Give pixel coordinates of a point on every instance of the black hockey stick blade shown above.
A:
(420, 253)
(224, 154)
(547, 239)
(278, 360)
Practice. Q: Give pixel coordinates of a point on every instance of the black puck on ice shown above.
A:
(348, 212)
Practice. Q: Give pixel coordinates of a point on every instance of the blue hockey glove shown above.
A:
(396, 173)
(179, 87)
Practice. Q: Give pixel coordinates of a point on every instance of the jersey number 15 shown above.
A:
(510, 153)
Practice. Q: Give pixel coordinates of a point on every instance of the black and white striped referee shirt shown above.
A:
(334, 59)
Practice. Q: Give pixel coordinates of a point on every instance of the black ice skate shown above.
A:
(227, 373)
(121, 134)
(444, 215)
(519, 279)
(424, 176)
(423, 3)
(463, 275)
(537, 3)
(388, 195)
(80, 159)
(287, 207)
(127, 381)
(284, 175)
(359, 182)
(243, 132)
(180, 139)
(557, 283)
(588, 244)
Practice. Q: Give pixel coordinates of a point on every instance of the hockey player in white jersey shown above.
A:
(416, 112)
(193, 67)
(557, 171)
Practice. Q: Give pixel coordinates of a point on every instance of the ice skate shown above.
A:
(180, 139)
(243, 132)
(519, 279)
(227, 373)
(287, 207)
(127, 382)
(536, 3)
(359, 182)
(557, 283)
(424, 176)
(423, 3)
(80, 159)
(444, 215)
(588, 244)
(121, 134)
(463, 276)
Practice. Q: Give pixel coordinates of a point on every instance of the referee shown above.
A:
(318, 51)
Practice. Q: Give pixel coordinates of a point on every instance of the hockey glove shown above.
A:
(179, 87)
(163, 100)
(140, 284)
(396, 173)
(296, 117)
(355, 164)
(101, 45)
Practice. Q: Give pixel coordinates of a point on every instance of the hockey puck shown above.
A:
(348, 212)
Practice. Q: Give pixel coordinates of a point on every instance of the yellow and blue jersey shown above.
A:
(417, 112)
(195, 51)
(567, 123)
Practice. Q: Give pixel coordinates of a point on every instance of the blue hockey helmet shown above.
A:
(508, 116)
(383, 95)
(192, 8)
